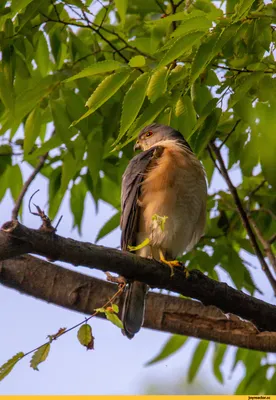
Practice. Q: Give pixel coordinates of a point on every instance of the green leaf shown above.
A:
(100, 310)
(173, 344)
(137, 61)
(62, 122)
(109, 226)
(158, 84)
(197, 359)
(202, 58)
(242, 9)
(114, 319)
(6, 94)
(69, 170)
(85, 336)
(15, 181)
(32, 130)
(243, 86)
(179, 16)
(207, 110)
(254, 382)
(95, 157)
(148, 116)
(35, 92)
(132, 103)
(193, 24)
(18, 5)
(218, 356)
(200, 140)
(42, 55)
(115, 308)
(52, 143)
(6, 368)
(180, 47)
(55, 194)
(106, 89)
(185, 115)
(98, 68)
(249, 157)
(77, 198)
(121, 6)
(4, 179)
(40, 355)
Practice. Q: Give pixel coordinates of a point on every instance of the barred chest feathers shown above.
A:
(175, 187)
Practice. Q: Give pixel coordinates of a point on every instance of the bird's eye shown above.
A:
(149, 133)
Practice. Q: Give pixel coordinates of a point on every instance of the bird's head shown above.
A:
(154, 133)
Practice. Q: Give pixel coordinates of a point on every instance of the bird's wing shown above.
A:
(131, 184)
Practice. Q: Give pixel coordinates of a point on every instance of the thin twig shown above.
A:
(64, 331)
(88, 26)
(161, 7)
(173, 12)
(265, 243)
(26, 185)
(97, 31)
(103, 28)
(230, 133)
(178, 4)
(243, 216)
(240, 70)
(251, 194)
(213, 158)
(272, 239)
(264, 210)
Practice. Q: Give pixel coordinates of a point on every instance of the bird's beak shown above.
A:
(137, 146)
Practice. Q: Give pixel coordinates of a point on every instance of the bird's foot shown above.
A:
(145, 243)
(174, 264)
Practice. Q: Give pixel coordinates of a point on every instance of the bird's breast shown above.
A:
(174, 187)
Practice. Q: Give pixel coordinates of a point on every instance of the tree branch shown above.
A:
(132, 267)
(26, 185)
(240, 70)
(69, 289)
(243, 216)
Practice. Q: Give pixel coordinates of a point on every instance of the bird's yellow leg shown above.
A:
(172, 264)
(145, 243)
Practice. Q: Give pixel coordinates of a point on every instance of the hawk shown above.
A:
(163, 200)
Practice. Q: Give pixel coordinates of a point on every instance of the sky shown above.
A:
(117, 365)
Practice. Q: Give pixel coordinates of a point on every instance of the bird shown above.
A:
(163, 202)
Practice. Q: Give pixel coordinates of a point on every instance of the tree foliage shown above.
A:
(79, 79)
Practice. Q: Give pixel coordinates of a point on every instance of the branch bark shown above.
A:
(132, 267)
(75, 291)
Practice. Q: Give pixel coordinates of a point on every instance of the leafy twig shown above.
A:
(230, 133)
(243, 216)
(178, 4)
(63, 331)
(26, 185)
(240, 70)
(161, 7)
(251, 194)
(265, 243)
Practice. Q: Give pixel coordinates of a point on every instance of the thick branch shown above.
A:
(83, 293)
(132, 267)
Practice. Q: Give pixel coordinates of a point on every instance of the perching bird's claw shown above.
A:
(173, 264)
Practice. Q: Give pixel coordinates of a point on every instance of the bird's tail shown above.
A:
(134, 308)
